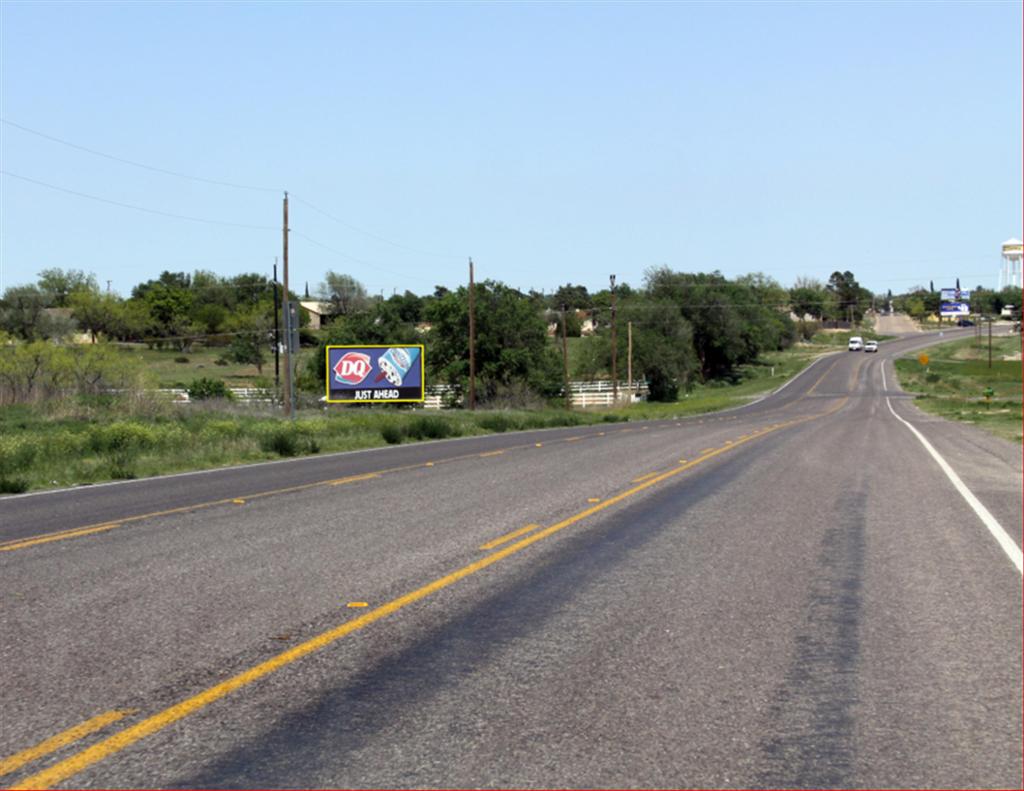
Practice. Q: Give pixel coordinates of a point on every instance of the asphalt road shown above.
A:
(791, 594)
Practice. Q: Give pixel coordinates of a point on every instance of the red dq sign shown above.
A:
(352, 368)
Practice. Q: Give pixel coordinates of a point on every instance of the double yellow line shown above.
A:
(119, 741)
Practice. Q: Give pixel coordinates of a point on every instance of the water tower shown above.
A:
(1010, 274)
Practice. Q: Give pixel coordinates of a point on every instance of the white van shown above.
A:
(856, 343)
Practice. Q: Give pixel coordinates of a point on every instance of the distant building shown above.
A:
(317, 311)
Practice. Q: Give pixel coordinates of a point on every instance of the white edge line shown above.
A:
(1001, 536)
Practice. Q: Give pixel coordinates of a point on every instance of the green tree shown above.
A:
(808, 297)
(851, 299)
(252, 331)
(170, 308)
(26, 313)
(512, 350)
(573, 297)
(95, 312)
(61, 284)
(345, 293)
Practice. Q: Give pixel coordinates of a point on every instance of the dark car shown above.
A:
(964, 323)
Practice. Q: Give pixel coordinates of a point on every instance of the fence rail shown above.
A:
(582, 394)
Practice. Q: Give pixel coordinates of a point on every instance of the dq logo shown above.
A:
(352, 368)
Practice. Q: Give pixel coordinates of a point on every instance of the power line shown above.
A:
(356, 260)
(367, 233)
(138, 208)
(137, 164)
(217, 182)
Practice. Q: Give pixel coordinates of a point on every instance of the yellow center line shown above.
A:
(62, 739)
(353, 478)
(157, 722)
(644, 477)
(509, 536)
(573, 439)
(491, 453)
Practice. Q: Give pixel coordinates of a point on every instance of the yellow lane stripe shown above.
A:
(815, 385)
(644, 477)
(509, 536)
(353, 478)
(54, 743)
(119, 741)
(491, 453)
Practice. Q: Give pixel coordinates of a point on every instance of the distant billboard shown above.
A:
(955, 295)
(954, 309)
(374, 374)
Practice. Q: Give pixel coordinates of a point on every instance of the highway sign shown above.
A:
(375, 374)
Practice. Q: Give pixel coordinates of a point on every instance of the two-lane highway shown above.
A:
(796, 593)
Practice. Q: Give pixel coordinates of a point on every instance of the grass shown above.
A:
(88, 440)
(958, 384)
(171, 368)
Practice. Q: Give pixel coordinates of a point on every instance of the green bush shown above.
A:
(121, 437)
(205, 387)
(182, 359)
(15, 456)
(392, 434)
(13, 485)
(290, 440)
(498, 422)
(281, 441)
(430, 427)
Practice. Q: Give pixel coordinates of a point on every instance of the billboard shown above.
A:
(955, 295)
(374, 374)
(954, 309)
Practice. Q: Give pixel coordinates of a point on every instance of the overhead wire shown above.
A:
(142, 165)
(137, 207)
(370, 234)
(218, 182)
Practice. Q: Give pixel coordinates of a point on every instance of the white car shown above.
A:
(856, 343)
(871, 346)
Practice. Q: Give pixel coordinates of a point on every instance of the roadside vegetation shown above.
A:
(90, 438)
(958, 384)
(79, 410)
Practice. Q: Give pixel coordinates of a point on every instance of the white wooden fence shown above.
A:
(584, 394)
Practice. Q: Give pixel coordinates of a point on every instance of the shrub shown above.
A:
(13, 485)
(15, 456)
(392, 433)
(208, 388)
(121, 437)
(498, 422)
(430, 427)
(281, 441)
(181, 359)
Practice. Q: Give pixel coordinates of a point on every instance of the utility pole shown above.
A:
(277, 334)
(287, 319)
(990, 343)
(615, 373)
(472, 342)
(629, 359)
(565, 361)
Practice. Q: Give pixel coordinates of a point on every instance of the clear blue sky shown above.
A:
(552, 142)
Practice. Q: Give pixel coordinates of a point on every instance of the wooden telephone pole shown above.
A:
(565, 361)
(615, 373)
(472, 341)
(287, 319)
